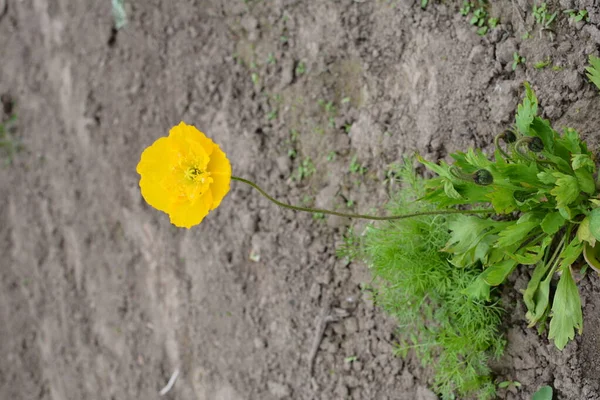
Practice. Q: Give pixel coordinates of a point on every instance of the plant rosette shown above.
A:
(542, 189)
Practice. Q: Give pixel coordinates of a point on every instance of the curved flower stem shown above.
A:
(359, 216)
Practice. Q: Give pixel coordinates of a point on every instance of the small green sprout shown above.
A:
(424, 4)
(508, 384)
(466, 8)
(300, 68)
(517, 59)
(318, 216)
(356, 167)
(271, 59)
(331, 156)
(542, 16)
(271, 115)
(578, 15)
(9, 144)
(526, 35)
(543, 64)
(350, 359)
(305, 169)
(255, 78)
(345, 100)
(479, 17)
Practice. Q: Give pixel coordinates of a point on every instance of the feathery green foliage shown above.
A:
(453, 332)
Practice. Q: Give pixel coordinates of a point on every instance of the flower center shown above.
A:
(198, 180)
(196, 175)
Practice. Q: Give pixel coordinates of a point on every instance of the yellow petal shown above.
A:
(157, 159)
(219, 164)
(220, 170)
(188, 214)
(188, 136)
(156, 174)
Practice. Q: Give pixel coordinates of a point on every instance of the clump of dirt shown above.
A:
(102, 298)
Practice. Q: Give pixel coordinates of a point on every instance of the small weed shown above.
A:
(318, 216)
(300, 68)
(578, 15)
(294, 135)
(557, 68)
(542, 16)
(305, 169)
(350, 203)
(543, 64)
(255, 78)
(509, 384)
(271, 59)
(350, 359)
(9, 144)
(526, 35)
(345, 100)
(283, 39)
(307, 200)
(356, 167)
(480, 16)
(466, 8)
(517, 59)
(424, 4)
(331, 156)
(271, 115)
(347, 128)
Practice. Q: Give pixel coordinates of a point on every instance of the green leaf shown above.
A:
(526, 111)
(503, 200)
(516, 232)
(583, 232)
(570, 253)
(450, 190)
(593, 71)
(441, 170)
(541, 128)
(547, 178)
(531, 255)
(537, 294)
(478, 290)
(586, 181)
(595, 223)
(496, 274)
(552, 223)
(566, 189)
(466, 232)
(543, 393)
(566, 309)
(581, 161)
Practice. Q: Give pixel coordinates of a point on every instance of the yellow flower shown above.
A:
(185, 175)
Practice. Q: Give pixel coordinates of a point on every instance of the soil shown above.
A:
(101, 298)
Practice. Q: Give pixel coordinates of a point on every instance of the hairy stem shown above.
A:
(359, 216)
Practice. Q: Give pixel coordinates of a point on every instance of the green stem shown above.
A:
(360, 216)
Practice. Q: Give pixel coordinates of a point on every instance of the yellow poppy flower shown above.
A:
(186, 175)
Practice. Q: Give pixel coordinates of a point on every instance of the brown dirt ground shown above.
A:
(101, 298)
